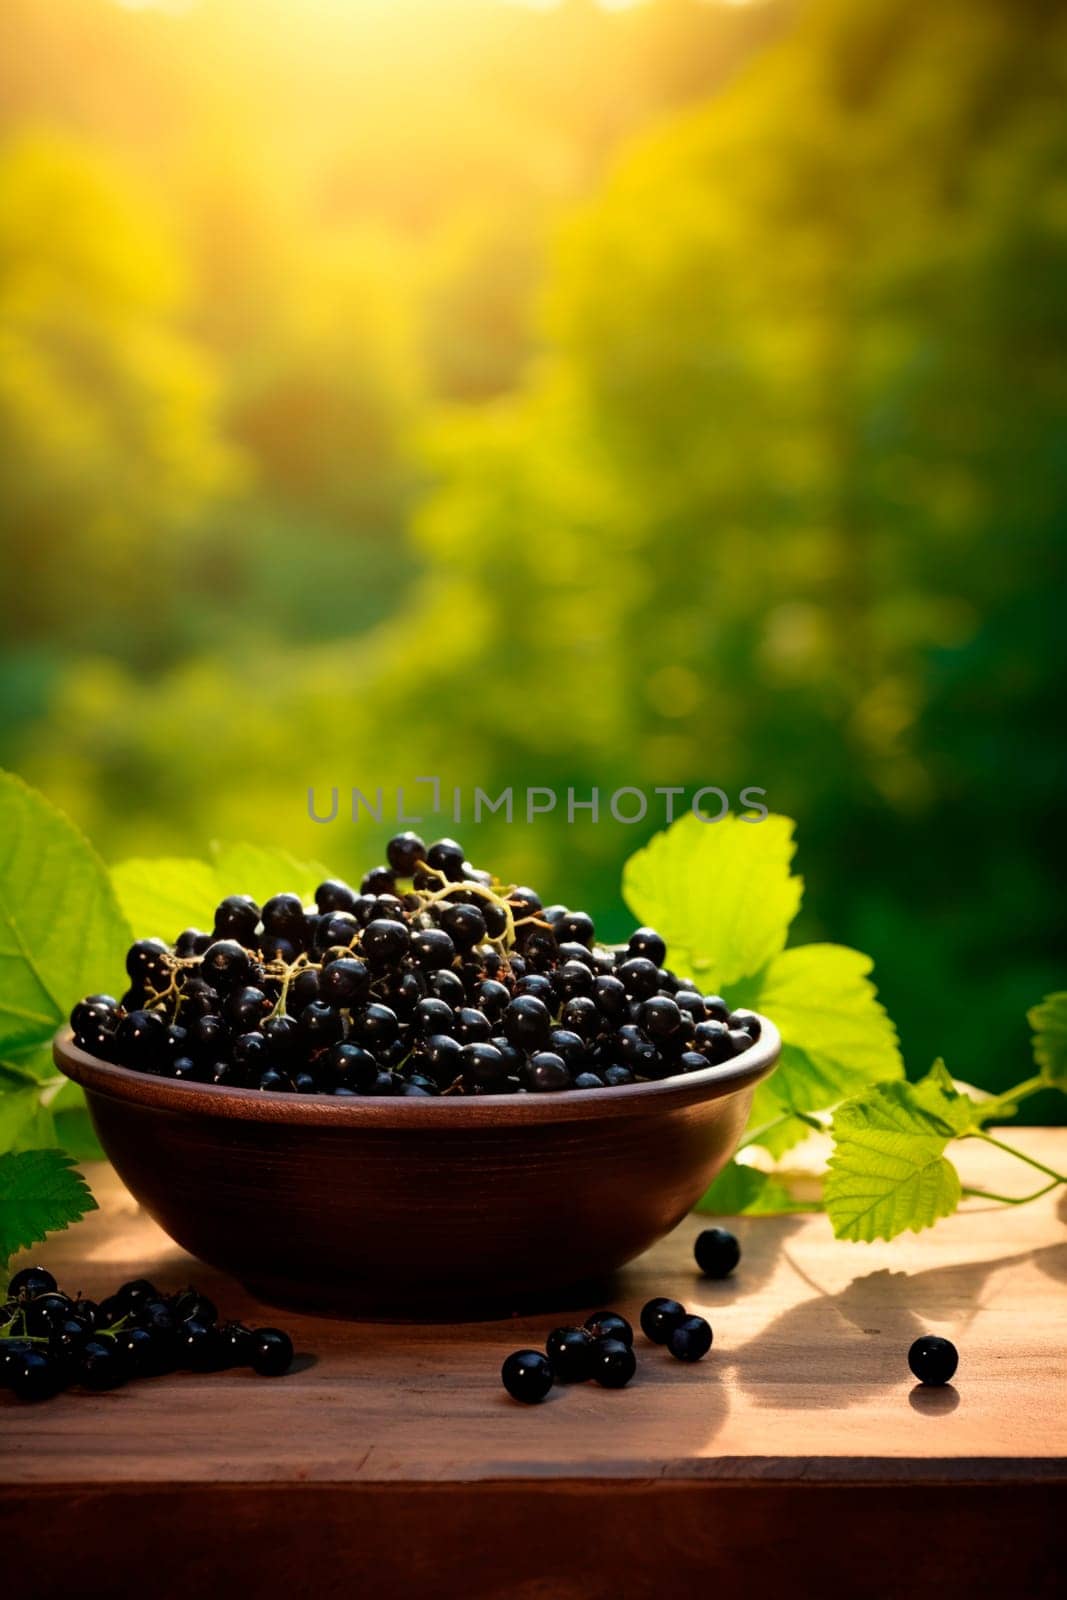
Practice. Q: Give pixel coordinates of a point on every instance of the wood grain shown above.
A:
(803, 1413)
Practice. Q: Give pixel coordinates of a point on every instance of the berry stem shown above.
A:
(1012, 1199)
(987, 1138)
(1008, 1102)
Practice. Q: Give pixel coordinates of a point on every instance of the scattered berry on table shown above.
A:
(614, 1363)
(609, 1325)
(527, 1376)
(570, 1351)
(659, 1318)
(271, 1352)
(933, 1360)
(690, 1339)
(430, 956)
(717, 1252)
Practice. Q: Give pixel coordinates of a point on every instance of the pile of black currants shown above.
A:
(433, 979)
(50, 1341)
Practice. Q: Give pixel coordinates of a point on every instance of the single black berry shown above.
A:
(717, 1252)
(647, 942)
(933, 1360)
(527, 1021)
(447, 857)
(30, 1282)
(609, 1325)
(659, 1317)
(527, 1376)
(614, 1363)
(404, 852)
(236, 917)
(570, 1351)
(546, 1073)
(35, 1375)
(270, 1352)
(690, 1339)
(101, 1366)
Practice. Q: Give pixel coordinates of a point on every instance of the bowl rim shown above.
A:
(115, 1082)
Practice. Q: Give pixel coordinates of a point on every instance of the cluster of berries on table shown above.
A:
(51, 1341)
(433, 979)
(602, 1350)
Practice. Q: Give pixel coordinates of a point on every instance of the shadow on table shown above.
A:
(871, 1322)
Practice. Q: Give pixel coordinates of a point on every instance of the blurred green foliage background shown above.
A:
(562, 394)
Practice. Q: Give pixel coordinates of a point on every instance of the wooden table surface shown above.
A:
(800, 1445)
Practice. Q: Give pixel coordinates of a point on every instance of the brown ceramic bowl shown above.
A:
(436, 1207)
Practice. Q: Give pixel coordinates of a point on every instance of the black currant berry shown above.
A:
(446, 856)
(34, 1375)
(283, 916)
(141, 1039)
(404, 852)
(717, 1252)
(225, 965)
(647, 942)
(640, 977)
(344, 983)
(576, 927)
(247, 1007)
(30, 1282)
(432, 948)
(746, 1021)
(101, 1366)
(659, 1317)
(527, 1021)
(614, 1363)
(443, 1058)
(320, 1024)
(270, 1352)
(691, 1003)
(482, 1065)
(527, 1376)
(95, 1011)
(933, 1360)
(384, 940)
(581, 1015)
(237, 917)
(690, 1339)
(660, 1017)
(137, 1292)
(333, 895)
(465, 925)
(546, 1073)
(379, 880)
(610, 996)
(609, 1325)
(570, 1351)
(148, 963)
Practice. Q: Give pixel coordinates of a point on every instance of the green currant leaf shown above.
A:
(721, 894)
(62, 934)
(740, 1190)
(836, 1037)
(76, 1134)
(1049, 1022)
(888, 1172)
(40, 1193)
(161, 897)
(261, 871)
(18, 1114)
